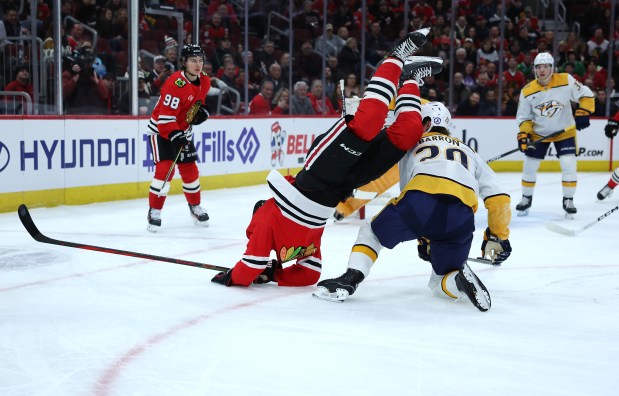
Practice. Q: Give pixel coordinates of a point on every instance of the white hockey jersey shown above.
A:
(441, 164)
(547, 109)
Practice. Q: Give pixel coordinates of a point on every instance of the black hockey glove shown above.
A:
(268, 275)
(424, 249)
(610, 130)
(495, 249)
(257, 206)
(223, 278)
(179, 141)
(523, 141)
(581, 116)
(201, 115)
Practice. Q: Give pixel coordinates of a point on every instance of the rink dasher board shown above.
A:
(47, 161)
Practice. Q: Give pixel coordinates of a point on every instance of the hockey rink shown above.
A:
(76, 322)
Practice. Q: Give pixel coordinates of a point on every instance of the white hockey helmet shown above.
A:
(438, 113)
(544, 58)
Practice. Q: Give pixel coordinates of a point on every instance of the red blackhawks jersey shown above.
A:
(177, 106)
(292, 226)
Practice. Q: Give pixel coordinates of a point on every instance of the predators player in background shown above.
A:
(440, 180)
(610, 130)
(546, 107)
(355, 150)
(180, 106)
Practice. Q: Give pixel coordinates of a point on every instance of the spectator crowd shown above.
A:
(95, 65)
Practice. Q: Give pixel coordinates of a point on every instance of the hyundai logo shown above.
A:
(5, 156)
(248, 145)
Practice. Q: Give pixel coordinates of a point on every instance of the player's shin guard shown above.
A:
(370, 116)
(529, 175)
(365, 250)
(568, 174)
(191, 182)
(614, 179)
(406, 129)
(158, 187)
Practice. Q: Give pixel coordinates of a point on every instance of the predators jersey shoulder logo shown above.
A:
(291, 253)
(550, 108)
(193, 110)
(180, 82)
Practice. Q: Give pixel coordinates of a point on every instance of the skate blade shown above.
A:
(153, 228)
(522, 212)
(323, 293)
(569, 216)
(200, 223)
(480, 297)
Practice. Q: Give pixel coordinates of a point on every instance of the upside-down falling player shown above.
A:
(440, 179)
(354, 151)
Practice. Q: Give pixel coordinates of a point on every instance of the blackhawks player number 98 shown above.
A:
(180, 106)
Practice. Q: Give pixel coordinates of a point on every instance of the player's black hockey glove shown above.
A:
(423, 248)
(201, 115)
(268, 275)
(581, 116)
(495, 249)
(257, 206)
(179, 141)
(523, 141)
(223, 278)
(610, 130)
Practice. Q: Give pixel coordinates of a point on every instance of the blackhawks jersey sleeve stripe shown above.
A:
(255, 261)
(312, 263)
(152, 127)
(294, 205)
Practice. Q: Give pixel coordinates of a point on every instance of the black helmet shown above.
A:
(191, 50)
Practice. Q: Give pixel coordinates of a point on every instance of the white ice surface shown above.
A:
(76, 322)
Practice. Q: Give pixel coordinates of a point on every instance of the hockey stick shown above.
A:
(530, 144)
(482, 260)
(26, 219)
(567, 232)
(343, 98)
(169, 172)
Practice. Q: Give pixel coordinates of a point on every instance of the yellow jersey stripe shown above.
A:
(364, 249)
(433, 184)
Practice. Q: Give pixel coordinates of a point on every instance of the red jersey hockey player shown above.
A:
(610, 130)
(354, 151)
(180, 106)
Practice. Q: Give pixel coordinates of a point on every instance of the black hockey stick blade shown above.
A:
(482, 261)
(531, 144)
(26, 219)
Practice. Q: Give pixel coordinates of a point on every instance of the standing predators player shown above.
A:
(610, 130)
(354, 151)
(180, 106)
(440, 179)
(545, 107)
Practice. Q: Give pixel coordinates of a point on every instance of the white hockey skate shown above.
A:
(522, 209)
(199, 215)
(154, 220)
(338, 289)
(570, 209)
